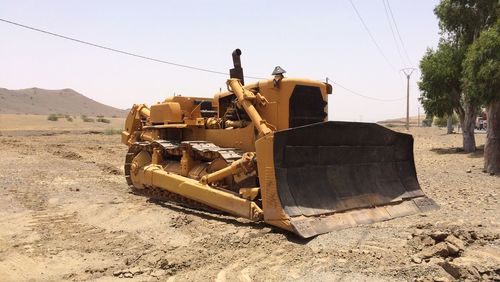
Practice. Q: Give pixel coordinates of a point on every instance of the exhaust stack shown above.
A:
(237, 71)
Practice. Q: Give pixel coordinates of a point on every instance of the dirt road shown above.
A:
(66, 214)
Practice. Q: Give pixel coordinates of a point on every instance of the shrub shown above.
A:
(427, 122)
(53, 117)
(442, 121)
(87, 119)
(103, 120)
(70, 119)
(112, 131)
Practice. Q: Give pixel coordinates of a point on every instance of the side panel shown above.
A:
(240, 138)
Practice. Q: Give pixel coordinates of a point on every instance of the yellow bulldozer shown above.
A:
(266, 151)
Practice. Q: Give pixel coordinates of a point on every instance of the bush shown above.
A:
(442, 121)
(427, 122)
(53, 117)
(103, 120)
(112, 131)
(87, 119)
(70, 119)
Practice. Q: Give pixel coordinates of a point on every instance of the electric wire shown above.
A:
(399, 34)
(120, 51)
(371, 36)
(392, 31)
(367, 97)
(172, 63)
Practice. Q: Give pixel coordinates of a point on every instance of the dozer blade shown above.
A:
(334, 175)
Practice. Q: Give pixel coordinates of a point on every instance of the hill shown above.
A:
(402, 121)
(43, 102)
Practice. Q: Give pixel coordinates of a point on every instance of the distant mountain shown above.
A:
(402, 121)
(43, 102)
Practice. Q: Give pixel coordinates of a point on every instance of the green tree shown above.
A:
(460, 22)
(441, 89)
(481, 81)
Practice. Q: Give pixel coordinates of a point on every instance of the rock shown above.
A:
(435, 260)
(452, 249)
(117, 273)
(468, 170)
(451, 239)
(439, 236)
(158, 273)
(427, 241)
(134, 270)
(440, 279)
(416, 259)
(440, 249)
(452, 269)
(128, 275)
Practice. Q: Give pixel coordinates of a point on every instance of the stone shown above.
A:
(468, 170)
(439, 236)
(158, 273)
(134, 270)
(440, 249)
(128, 275)
(427, 241)
(452, 249)
(451, 269)
(451, 239)
(416, 259)
(440, 279)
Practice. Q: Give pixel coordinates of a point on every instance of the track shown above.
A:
(203, 148)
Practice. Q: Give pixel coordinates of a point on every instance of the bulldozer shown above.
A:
(265, 151)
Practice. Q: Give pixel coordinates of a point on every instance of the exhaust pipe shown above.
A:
(237, 71)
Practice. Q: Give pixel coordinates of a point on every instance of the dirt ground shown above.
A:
(66, 214)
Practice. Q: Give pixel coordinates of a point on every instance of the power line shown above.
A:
(119, 51)
(371, 36)
(366, 97)
(392, 32)
(397, 31)
(167, 62)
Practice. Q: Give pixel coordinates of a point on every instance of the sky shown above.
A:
(309, 39)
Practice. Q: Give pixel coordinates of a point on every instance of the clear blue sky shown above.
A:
(313, 39)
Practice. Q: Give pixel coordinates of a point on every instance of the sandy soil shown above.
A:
(25, 124)
(66, 214)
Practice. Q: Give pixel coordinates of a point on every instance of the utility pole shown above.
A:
(408, 72)
(418, 119)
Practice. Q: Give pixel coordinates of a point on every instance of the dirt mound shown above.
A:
(43, 102)
(67, 155)
(110, 169)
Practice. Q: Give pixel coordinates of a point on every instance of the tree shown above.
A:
(460, 22)
(481, 81)
(442, 89)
